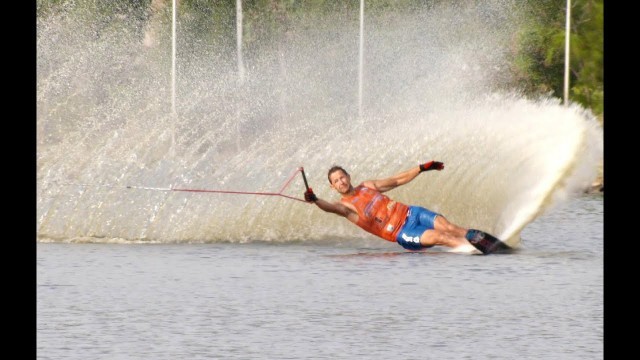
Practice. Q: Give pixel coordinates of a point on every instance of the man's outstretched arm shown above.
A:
(336, 208)
(402, 178)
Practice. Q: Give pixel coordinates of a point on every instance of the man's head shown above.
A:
(339, 179)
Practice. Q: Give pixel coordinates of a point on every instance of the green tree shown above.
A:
(538, 63)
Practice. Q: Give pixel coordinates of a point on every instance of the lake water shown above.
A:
(333, 300)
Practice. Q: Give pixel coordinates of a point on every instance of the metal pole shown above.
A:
(173, 78)
(173, 58)
(360, 76)
(566, 54)
(239, 39)
(240, 68)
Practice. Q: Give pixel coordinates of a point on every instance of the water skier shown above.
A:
(413, 227)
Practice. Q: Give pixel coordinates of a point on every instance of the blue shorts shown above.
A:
(418, 221)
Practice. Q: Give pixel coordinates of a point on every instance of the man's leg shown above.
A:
(439, 237)
(439, 230)
(449, 234)
(442, 224)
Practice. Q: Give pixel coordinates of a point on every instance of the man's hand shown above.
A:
(309, 196)
(431, 165)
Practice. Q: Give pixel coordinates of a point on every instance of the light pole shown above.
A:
(361, 59)
(566, 54)
(173, 78)
(239, 39)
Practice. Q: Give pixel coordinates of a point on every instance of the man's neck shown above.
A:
(350, 192)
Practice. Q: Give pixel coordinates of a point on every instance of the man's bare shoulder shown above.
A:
(368, 183)
(371, 184)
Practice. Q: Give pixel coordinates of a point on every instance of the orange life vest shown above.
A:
(377, 213)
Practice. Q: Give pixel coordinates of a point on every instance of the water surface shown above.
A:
(333, 300)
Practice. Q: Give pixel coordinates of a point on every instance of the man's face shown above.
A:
(340, 181)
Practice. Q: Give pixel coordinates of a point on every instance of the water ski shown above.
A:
(485, 242)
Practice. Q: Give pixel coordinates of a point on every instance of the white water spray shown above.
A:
(431, 91)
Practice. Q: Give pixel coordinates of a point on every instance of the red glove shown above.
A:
(309, 196)
(431, 165)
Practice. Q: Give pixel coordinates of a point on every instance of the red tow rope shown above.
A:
(279, 193)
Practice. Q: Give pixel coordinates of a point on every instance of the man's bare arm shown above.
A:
(336, 208)
(394, 181)
(402, 178)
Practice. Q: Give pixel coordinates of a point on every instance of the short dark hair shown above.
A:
(335, 168)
